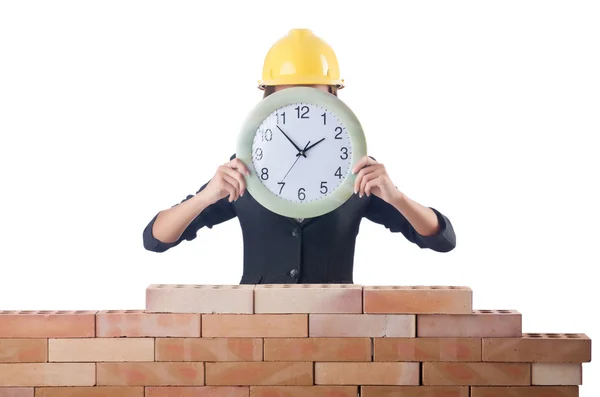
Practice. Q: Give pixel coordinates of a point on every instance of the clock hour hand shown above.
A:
(300, 151)
(311, 146)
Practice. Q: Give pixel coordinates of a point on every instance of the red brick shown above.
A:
(23, 350)
(525, 391)
(549, 348)
(202, 391)
(476, 374)
(47, 324)
(209, 349)
(16, 391)
(47, 374)
(259, 373)
(101, 349)
(361, 325)
(418, 299)
(137, 323)
(166, 298)
(303, 391)
(96, 391)
(370, 373)
(150, 374)
(414, 391)
(479, 324)
(427, 349)
(556, 374)
(318, 349)
(308, 298)
(255, 325)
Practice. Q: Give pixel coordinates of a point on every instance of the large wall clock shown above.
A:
(300, 145)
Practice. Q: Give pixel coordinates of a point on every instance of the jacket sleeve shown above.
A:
(214, 214)
(383, 213)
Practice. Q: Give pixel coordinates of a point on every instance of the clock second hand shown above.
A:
(297, 158)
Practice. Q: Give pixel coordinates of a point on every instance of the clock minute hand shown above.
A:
(312, 146)
(300, 152)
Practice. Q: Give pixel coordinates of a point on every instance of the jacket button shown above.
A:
(296, 232)
(294, 273)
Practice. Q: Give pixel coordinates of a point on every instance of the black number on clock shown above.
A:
(301, 194)
(324, 115)
(282, 116)
(338, 173)
(259, 153)
(324, 188)
(304, 109)
(267, 135)
(282, 185)
(337, 136)
(344, 154)
(264, 174)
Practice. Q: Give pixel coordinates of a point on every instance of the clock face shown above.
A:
(301, 152)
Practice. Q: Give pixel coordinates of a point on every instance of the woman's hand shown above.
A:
(228, 180)
(373, 178)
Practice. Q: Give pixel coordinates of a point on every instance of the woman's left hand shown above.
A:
(373, 178)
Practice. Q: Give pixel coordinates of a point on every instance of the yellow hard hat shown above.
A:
(300, 58)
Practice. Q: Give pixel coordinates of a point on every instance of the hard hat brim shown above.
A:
(262, 84)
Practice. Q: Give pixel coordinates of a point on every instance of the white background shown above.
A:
(488, 111)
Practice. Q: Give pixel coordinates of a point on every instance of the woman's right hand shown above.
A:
(228, 181)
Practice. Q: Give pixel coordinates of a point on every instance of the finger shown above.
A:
(239, 165)
(363, 162)
(375, 182)
(238, 177)
(229, 188)
(233, 183)
(359, 177)
(359, 164)
(361, 174)
(369, 177)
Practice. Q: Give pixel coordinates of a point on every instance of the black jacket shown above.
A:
(279, 250)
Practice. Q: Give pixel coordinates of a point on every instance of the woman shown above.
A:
(284, 250)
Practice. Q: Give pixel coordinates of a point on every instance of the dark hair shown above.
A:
(271, 89)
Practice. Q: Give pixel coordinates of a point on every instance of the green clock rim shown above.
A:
(260, 112)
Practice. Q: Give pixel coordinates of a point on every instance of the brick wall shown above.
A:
(288, 341)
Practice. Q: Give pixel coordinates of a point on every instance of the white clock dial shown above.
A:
(301, 152)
